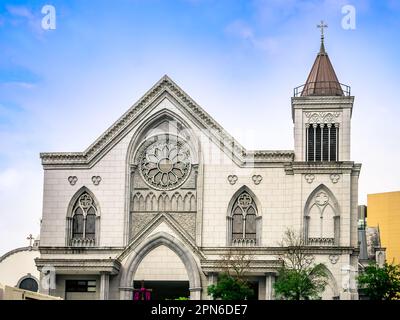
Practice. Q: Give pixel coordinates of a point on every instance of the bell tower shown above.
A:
(321, 113)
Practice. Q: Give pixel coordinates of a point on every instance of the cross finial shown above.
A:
(30, 238)
(322, 26)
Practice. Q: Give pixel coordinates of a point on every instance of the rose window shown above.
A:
(165, 165)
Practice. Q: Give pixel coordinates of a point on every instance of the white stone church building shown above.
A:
(166, 191)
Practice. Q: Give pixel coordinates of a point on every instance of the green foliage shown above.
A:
(182, 298)
(381, 283)
(230, 288)
(301, 284)
(298, 278)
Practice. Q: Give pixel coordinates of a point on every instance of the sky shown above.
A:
(60, 88)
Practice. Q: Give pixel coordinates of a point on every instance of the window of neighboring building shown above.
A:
(29, 284)
(80, 286)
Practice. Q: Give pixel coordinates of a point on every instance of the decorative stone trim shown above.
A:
(321, 241)
(322, 117)
(335, 177)
(72, 180)
(257, 179)
(80, 242)
(165, 85)
(334, 258)
(96, 180)
(244, 242)
(341, 167)
(156, 221)
(232, 179)
(270, 265)
(309, 177)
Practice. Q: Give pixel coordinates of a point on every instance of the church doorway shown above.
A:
(253, 284)
(164, 289)
(161, 275)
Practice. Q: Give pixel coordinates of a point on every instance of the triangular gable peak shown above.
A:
(164, 87)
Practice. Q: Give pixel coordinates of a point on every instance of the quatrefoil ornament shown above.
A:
(232, 179)
(96, 180)
(72, 180)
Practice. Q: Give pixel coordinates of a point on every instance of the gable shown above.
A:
(164, 88)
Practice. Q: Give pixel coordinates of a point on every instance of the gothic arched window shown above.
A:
(243, 221)
(83, 221)
(321, 218)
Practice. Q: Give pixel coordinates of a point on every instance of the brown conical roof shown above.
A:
(322, 80)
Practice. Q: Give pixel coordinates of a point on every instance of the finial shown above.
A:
(322, 25)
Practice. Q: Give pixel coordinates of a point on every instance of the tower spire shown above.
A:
(322, 26)
(322, 80)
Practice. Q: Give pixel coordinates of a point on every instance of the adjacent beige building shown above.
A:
(384, 213)
(18, 269)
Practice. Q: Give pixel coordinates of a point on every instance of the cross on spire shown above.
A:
(322, 26)
(30, 238)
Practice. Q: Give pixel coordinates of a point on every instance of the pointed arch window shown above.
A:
(84, 221)
(321, 218)
(243, 221)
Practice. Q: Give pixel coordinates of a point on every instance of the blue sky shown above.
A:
(240, 60)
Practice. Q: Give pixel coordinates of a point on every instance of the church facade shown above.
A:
(166, 192)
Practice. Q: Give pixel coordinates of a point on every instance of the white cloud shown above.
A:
(24, 14)
(243, 31)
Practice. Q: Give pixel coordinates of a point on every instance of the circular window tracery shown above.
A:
(165, 165)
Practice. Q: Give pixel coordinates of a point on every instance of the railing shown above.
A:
(321, 241)
(322, 88)
(241, 242)
(82, 242)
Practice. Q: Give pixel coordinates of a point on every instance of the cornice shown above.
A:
(86, 159)
(89, 265)
(277, 250)
(323, 100)
(322, 167)
(262, 266)
(80, 250)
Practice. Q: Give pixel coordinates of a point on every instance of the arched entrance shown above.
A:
(163, 273)
(139, 253)
(331, 291)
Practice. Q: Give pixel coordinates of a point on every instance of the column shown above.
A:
(195, 293)
(269, 285)
(104, 285)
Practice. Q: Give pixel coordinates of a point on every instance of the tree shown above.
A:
(298, 278)
(229, 288)
(232, 285)
(381, 283)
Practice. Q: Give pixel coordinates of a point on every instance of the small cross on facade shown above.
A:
(322, 26)
(30, 238)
